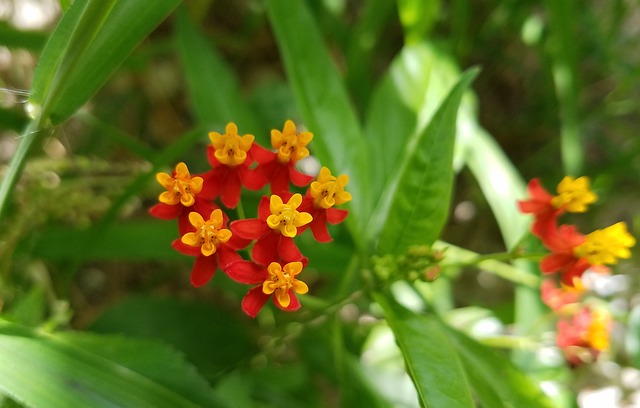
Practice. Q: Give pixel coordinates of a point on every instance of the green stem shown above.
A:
(498, 256)
(31, 135)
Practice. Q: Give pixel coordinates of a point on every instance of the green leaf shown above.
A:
(323, 102)
(419, 200)
(495, 380)
(418, 17)
(90, 42)
(156, 361)
(46, 371)
(211, 338)
(430, 358)
(214, 88)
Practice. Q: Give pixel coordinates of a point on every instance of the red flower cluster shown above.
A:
(237, 162)
(582, 328)
(572, 253)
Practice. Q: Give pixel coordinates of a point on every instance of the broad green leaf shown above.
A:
(419, 201)
(431, 360)
(495, 380)
(156, 361)
(323, 102)
(10, 119)
(43, 370)
(212, 338)
(91, 41)
(215, 91)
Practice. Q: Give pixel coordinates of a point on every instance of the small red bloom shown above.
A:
(275, 279)
(231, 156)
(562, 243)
(279, 167)
(323, 194)
(211, 244)
(274, 229)
(584, 335)
(558, 298)
(182, 196)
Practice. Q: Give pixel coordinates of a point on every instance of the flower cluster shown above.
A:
(583, 328)
(207, 233)
(572, 253)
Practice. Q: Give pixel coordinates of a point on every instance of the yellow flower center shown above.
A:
(597, 335)
(606, 246)
(291, 144)
(208, 234)
(285, 218)
(281, 280)
(328, 190)
(574, 195)
(230, 148)
(181, 188)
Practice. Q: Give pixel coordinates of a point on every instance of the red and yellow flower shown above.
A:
(231, 155)
(279, 167)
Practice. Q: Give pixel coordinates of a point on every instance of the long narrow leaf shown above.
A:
(91, 41)
(215, 91)
(420, 199)
(432, 362)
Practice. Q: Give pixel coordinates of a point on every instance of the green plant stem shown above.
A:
(29, 138)
(498, 256)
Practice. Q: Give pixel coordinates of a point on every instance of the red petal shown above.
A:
(212, 157)
(555, 262)
(336, 215)
(252, 179)
(575, 271)
(294, 303)
(203, 270)
(165, 211)
(236, 242)
(254, 300)
(251, 228)
(261, 155)
(265, 249)
(231, 189)
(320, 231)
(288, 251)
(264, 210)
(297, 178)
(211, 185)
(181, 247)
(247, 272)
(184, 225)
(280, 179)
(227, 256)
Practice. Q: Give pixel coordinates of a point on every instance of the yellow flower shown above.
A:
(181, 188)
(328, 190)
(574, 195)
(230, 148)
(291, 144)
(607, 245)
(597, 335)
(208, 234)
(281, 280)
(285, 217)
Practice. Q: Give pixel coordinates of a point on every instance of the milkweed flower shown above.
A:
(574, 195)
(560, 298)
(181, 197)
(274, 229)
(211, 243)
(584, 335)
(279, 167)
(323, 194)
(276, 279)
(573, 253)
(231, 155)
